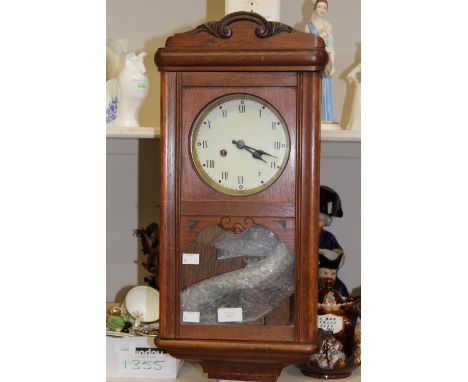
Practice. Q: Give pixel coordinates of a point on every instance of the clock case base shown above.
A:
(241, 50)
(225, 360)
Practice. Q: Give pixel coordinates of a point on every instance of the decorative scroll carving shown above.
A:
(264, 28)
(236, 224)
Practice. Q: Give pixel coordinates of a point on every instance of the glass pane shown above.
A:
(244, 278)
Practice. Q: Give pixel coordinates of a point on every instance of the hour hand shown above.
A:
(240, 144)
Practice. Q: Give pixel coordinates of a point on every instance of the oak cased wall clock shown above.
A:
(239, 195)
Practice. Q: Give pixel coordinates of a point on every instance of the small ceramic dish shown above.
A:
(148, 330)
(142, 304)
(110, 333)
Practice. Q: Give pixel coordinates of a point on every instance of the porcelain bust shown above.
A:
(125, 94)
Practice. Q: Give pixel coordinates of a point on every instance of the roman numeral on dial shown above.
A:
(210, 163)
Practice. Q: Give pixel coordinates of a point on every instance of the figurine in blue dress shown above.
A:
(321, 27)
(330, 251)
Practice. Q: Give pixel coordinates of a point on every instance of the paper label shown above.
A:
(142, 364)
(191, 316)
(330, 322)
(230, 315)
(124, 348)
(190, 258)
(141, 84)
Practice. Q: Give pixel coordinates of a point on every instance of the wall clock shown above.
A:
(239, 195)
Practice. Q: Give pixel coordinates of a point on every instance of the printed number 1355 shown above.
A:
(136, 364)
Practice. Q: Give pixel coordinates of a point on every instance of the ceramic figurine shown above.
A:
(125, 94)
(331, 256)
(330, 206)
(339, 316)
(354, 77)
(329, 263)
(340, 350)
(321, 27)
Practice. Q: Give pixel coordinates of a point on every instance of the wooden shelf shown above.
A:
(132, 132)
(341, 135)
(153, 132)
(192, 372)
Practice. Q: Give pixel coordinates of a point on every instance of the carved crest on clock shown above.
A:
(264, 27)
(236, 224)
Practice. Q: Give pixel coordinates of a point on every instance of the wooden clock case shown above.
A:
(242, 53)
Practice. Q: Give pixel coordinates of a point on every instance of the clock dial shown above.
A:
(239, 144)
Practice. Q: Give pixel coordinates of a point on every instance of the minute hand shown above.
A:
(257, 154)
(261, 152)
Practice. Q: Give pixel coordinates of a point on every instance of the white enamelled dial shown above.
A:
(239, 144)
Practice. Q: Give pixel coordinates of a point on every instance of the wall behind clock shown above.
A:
(133, 165)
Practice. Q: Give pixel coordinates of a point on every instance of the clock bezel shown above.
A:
(193, 154)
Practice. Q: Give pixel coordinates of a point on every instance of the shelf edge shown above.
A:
(341, 135)
(132, 132)
(154, 132)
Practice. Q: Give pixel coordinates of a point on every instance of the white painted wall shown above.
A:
(340, 169)
(121, 216)
(132, 165)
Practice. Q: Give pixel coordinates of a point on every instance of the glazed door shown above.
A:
(236, 253)
(237, 276)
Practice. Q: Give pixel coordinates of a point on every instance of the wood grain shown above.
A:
(167, 272)
(237, 79)
(243, 50)
(238, 332)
